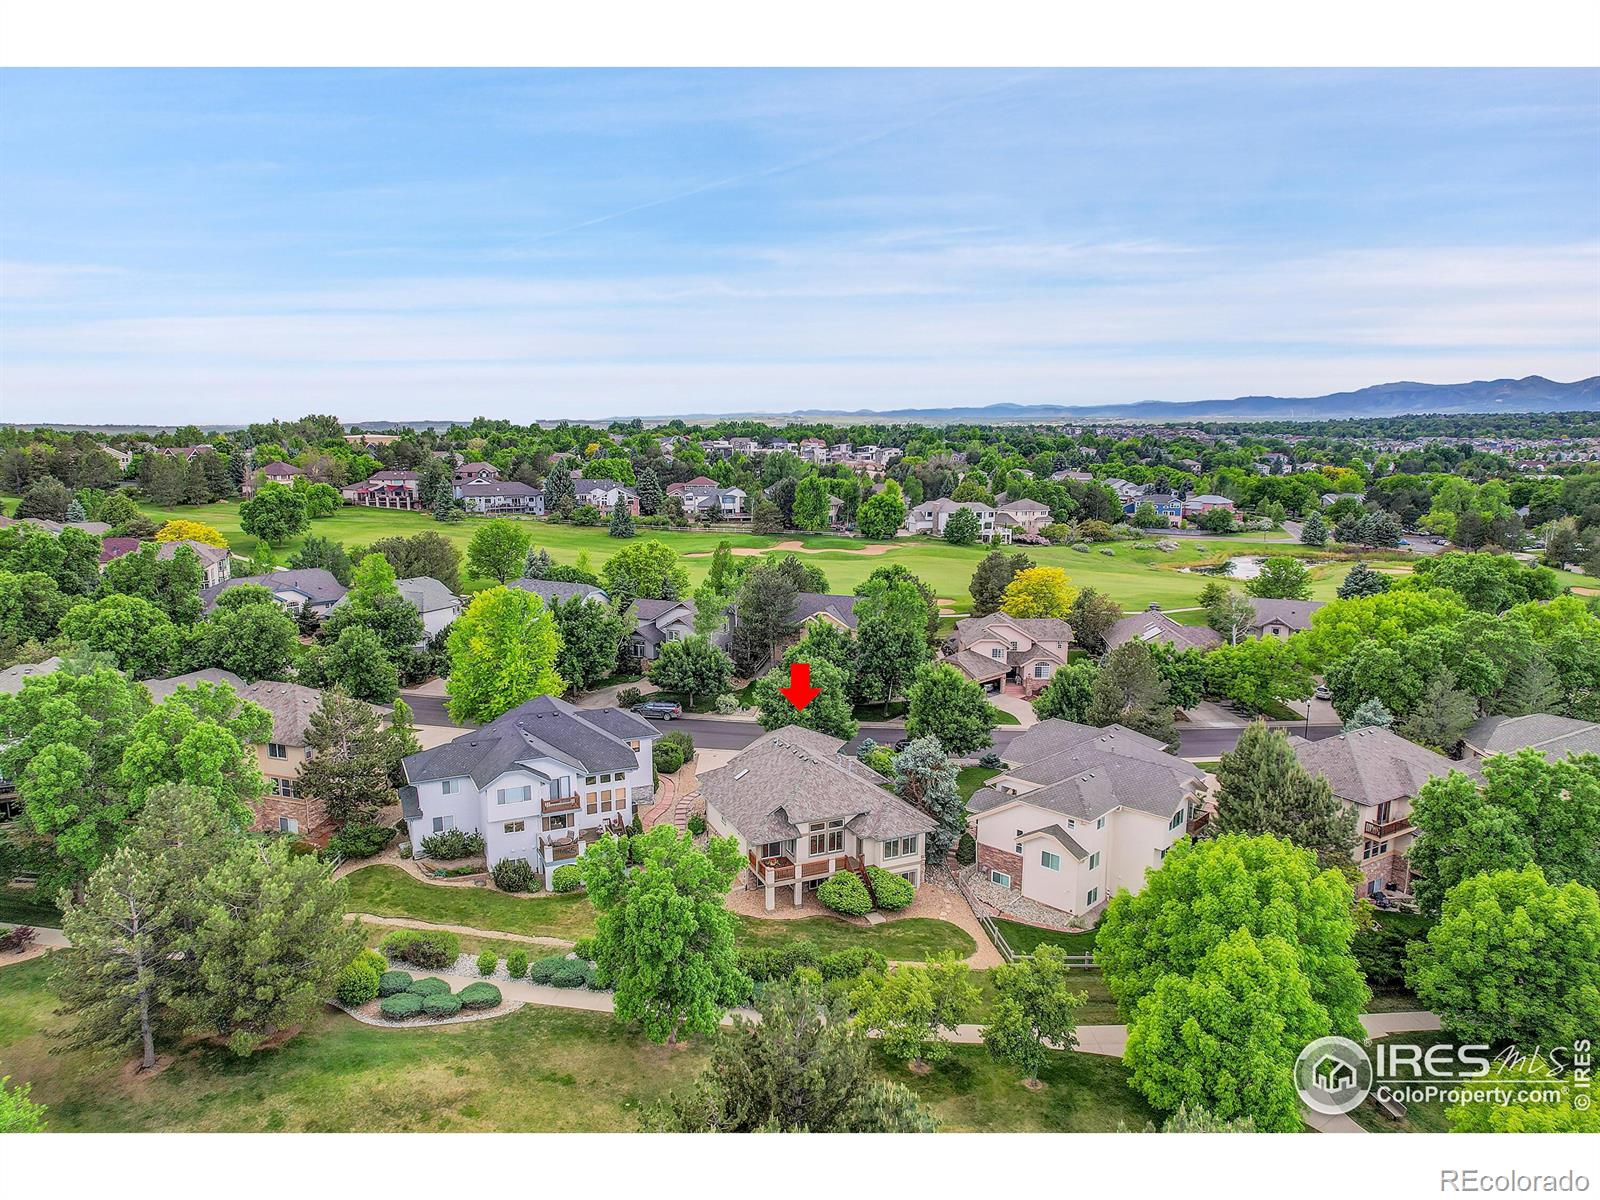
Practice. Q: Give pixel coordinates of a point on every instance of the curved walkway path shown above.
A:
(491, 935)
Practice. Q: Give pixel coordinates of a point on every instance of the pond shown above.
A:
(1245, 566)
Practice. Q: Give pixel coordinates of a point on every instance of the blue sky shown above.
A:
(232, 245)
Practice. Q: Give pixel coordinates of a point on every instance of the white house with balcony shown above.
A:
(1080, 812)
(541, 783)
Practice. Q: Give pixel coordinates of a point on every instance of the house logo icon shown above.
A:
(1333, 1075)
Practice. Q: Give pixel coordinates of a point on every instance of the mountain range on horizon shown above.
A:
(1532, 394)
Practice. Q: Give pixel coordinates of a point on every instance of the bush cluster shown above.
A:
(766, 963)
(517, 964)
(890, 891)
(441, 1005)
(358, 841)
(392, 983)
(374, 960)
(574, 973)
(513, 875)
(727, 704)
(566, 879)
(697, 824)
(429, 986)
(432, 950)
(845, 893)
(453, 843)
(543, 970)
(479, 995)
(401, 1006)
(358, 983)
(628, 697)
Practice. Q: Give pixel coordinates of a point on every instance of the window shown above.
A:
(829, 842)
(1094, 860)
(514, 795)
(1049, 861)
(563, 821)
(450, 787)
(591, 804)
(288, 825)
(1177, 819)
(1094, 894)
(515, 826)
(285, 788)
(277, 750)
(900, 847)
(997, 652)
(1001, 878)
(561, 789)
(591, 780)
(1100, 824)
(440, 824)
(1040, 670)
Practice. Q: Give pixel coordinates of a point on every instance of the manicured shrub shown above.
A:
(488, 960)
(845, 893)
(697, 824)
(429, 986)
(358, 983)
(453, 843)
(852, 961)
(543, 970)
(599, 978)
(566, 879)
(401, 1006)
(584, 949)
(889, 891)
(573, 974)
(15, 941)
(966, 850)
(480, 995)
(517, 964)
(374, 960)
(628, 697)
(727, 704)
(442, 1005)
(430, 949)
(991, 760)
(392, 983)
(358, 841)
(513, 875)
(667, 756)
(788, 959)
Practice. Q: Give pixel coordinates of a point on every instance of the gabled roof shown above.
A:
(588, 740)
(317, 585)
(207, 554)
(1039, 629)
(1019, 506)
(556, 589)
(791, 777)
(1155, 626)
(1083, 772)
(585, 486)
(281, 468)
(1554, 737)
(978, 667)
(496, 487)
(1372, 765)
(12, 678)
(810, 604)
(426, 594)
(1294, 614)
(1062, 838)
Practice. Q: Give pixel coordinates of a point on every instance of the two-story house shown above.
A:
(500, 496)
(1378, 773)
(1198, 506)
(385, 489)
(1080, 812)
(540, 783)
(1552, 736)
(932, 516)
(1153, 625)
(802, 812)
(1025, 518)
(657, 622)
(994, 649)
(474, 472)
(605, 494)
(1167, 506)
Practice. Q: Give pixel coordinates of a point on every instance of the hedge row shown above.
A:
(431, 949)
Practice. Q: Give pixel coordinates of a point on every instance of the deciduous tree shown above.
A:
(1038, 592)
(274, 514)
(945, 704)
(692, 666)
(503, 651)
(1035, 1010)
(498, 549)
(644, 570)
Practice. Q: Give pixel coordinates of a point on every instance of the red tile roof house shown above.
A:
(385, 489)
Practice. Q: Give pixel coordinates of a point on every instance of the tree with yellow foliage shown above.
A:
(190, 531)
(1038, 592)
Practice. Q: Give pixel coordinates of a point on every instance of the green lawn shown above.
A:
(28, 908)
(1025, 939)
(538, 1069)
(1425, 1117)
(391, 892)
(1131, 576)
(970, 779)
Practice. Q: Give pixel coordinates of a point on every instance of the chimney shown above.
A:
(1155, 608)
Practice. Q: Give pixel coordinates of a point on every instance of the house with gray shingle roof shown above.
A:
(1378, 773)
(802, 811)
(540, 783)
(558, 589)
(998, 648)
(307, 587)
(1153, 625)
(1280, 618)
(1552, 736)
(1080, 812)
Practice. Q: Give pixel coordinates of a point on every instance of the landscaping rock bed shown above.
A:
(1006, 902)
(368, 1014)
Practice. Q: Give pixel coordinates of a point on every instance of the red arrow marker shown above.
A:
(800, 692)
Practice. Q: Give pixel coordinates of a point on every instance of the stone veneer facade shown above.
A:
(992, 859)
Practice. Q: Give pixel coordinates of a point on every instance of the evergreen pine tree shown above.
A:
(1370, 714)
(75, 511)
(650, 493)
(1532, 687)
(1362, 580)
(1315, 531)
(1262, 788)
(925, 778)
(621, 522)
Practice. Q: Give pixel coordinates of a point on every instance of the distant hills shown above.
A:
(1535, 394)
